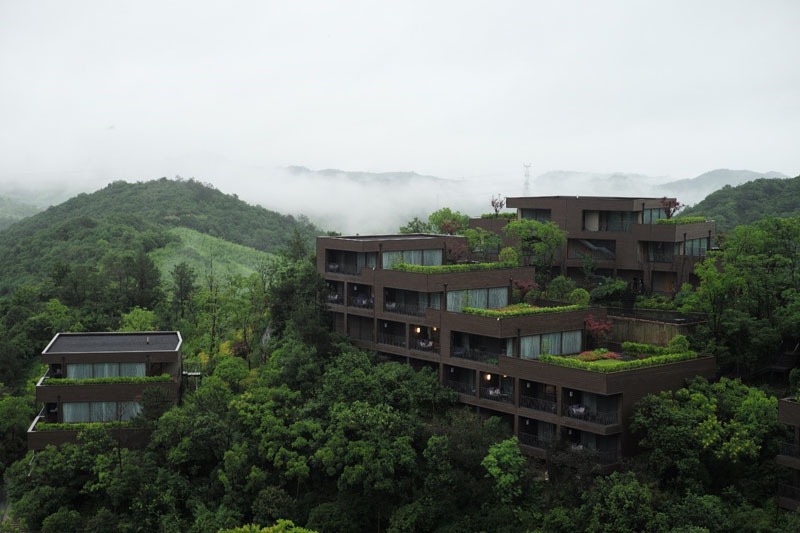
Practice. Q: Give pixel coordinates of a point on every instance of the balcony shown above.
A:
(127, 436)
(392, 340)
(335, 299)
(788, 496)
(404, 309)
(117, 389)
(341, 268)
(474, 354)
(538, 404)
(581, 412)
(535, 441)
(789, 411)
(461, 387)
(361, 302)
(496, 394)
(425, 345)
(788, 455)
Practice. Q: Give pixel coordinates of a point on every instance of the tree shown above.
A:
(670, 206)
(416, 225)
(506, 466)
(538, 243)
(145, 291)
(183, 287)
(482, 242)
(620, 504)
(138, 319)
(498, 204)
(296, 248)
(447, 221)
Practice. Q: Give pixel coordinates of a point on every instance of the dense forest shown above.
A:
(293, 429)
(11, 211)
(744, 204)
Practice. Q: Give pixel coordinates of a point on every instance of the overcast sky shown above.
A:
(136, 90)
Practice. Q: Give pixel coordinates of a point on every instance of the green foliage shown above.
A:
(506, 466)
(655, 301)
(163, 378)
(508, 215)
(508, 255)
(580, 297)
(482, 242)
(16, 413)
(609, 290)
(647, 349)
(678, 343)
(416, 226)
(682, 220)
(520, 310)
(611, 365)
(232, 370)
(12, 211)
(138, 319)
(80, 426)
(750, 202)
(619, 503)
(445, 269)
(538, 242)
(560, 288)
(447, 221)
(281, 526)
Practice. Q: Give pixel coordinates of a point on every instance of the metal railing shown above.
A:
(481, 356)
(421, 345)
(336, 298)
(538, 404)
(361, 302)
(495, 394)
(392, 340)
(789, 491)
(461, 387)
(789, 448)
(659, 315)
(404, 309)
(339, 268)
(660, 258)
(604, 419)
(535, 441)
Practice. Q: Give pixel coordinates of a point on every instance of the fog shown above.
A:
(600, 98)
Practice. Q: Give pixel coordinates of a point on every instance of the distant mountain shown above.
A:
(570, 183)
(746, 203)
(12, 210)
(365, 177)
(690, 191)
(126, 216)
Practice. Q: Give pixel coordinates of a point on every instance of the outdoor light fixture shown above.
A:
(434, 329)
(417, 330)
(488, 377)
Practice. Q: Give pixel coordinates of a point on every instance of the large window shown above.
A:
(492, 298)
(539, 215)
(558, 343)
(649, 216)
(105, 370)
(100, 411)
(696, 247)
(413, 257)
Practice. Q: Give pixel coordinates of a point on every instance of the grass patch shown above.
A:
(678, 221)
(520, 310)
(163, 378)
(443, 269)
(612, 365)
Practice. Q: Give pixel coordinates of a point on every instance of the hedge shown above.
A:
(523, 311)
(443, 269)
(638, 347)
(618, 366)
(79, 426)
(499, 215)
(684, 220)
(163, 378)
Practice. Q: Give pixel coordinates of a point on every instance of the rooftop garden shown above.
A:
(163, 378)
(634, 355)
(684, 220)
(510, 215)
(520, 309)
(444, 269)
(80, 426)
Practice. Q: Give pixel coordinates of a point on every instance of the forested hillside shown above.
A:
(128, 216)
(749, 202)
(12, 211)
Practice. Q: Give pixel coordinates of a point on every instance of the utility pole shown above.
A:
(527, 190)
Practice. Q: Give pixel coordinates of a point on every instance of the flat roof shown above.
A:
(586, 197)
(395, 237)
(139, 341)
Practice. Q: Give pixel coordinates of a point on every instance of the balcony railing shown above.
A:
(392, 340)
(497, 395)
(339, 268)
(789, 491)
(660, 258)
(362, 302)
(425, 345)
(535, 441)
(788, 448)
(336, 299)
(461, 387)
(538, 404)
(473, 354)
(404, 309)
(580, 412)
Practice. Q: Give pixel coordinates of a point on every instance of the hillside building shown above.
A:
(100, 377)
(789, 454)
(417, 316)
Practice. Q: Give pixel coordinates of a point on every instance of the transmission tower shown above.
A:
(527, 189)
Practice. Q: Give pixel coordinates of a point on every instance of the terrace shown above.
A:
(477, 348)
(604, 361)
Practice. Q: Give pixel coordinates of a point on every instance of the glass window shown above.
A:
(551, 343)
(498, 297)
(79, 371)
(435, 300)
(571, 342)
(132, 370)
(106, 370)
(392, 258)
(529, 347)
(455, 300)
(412, 257)
(478, 298)
(76, 412)
(432, 257)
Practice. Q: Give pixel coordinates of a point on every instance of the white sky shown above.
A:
(104, 90)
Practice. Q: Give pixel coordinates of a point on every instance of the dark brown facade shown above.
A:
(133, 361)
(482, 357)
(620, 236)
(789, 454)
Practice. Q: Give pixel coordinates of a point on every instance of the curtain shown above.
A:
(361, 261)
(372, 259)
(132, 370)
(129, 410)
(79, 371)
(103, 411)
(545, 431)
(106, 370)
(435, 300)
(412, 257)
(392, 258)
(551, 343)
(509, 347)
(571, 342)
(455, 300)
(432, 257)
(498, 297)
(478, 298)
(529, 347)
(76, 412)
(590, 401)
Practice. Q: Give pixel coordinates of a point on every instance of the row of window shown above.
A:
(558, 343)
(412, 257)
(100, 411)
(105, 370)
(492, 298)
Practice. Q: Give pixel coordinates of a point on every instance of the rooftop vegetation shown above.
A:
(444, 269)
(80, 426)
(684, 220)
(499, 215)
(616, 365)
(521, 309)
(163, 378)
